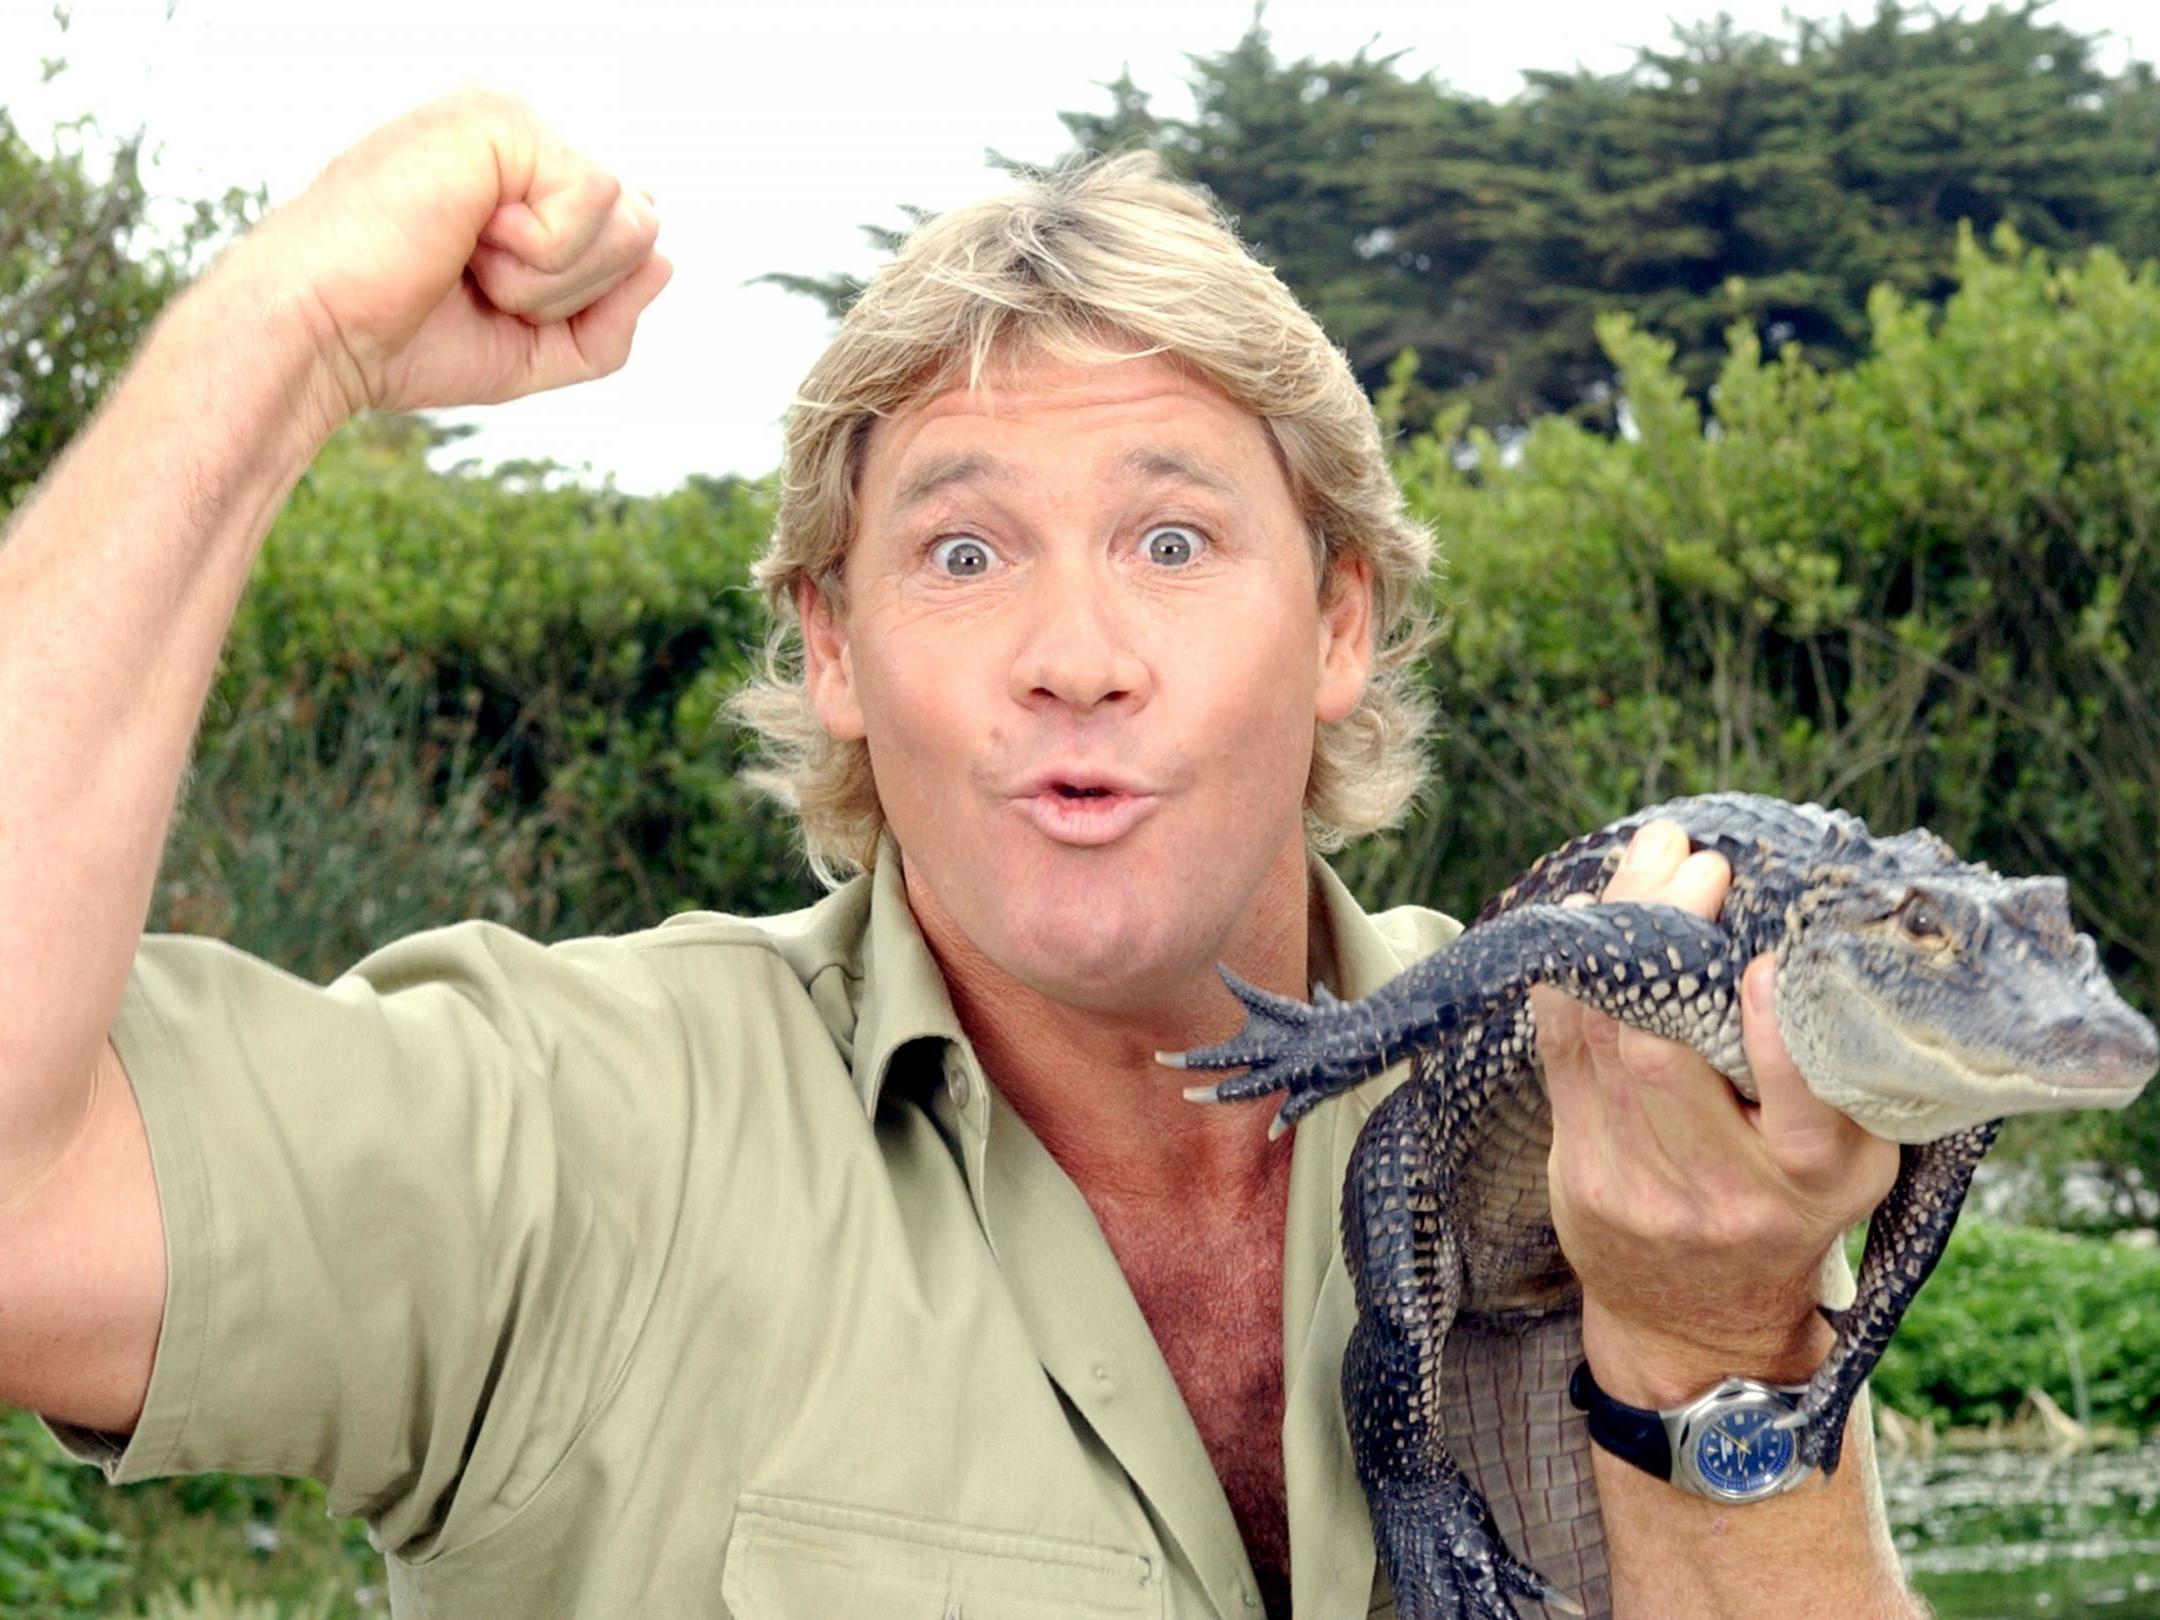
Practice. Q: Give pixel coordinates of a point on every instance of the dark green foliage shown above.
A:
(454, 695)
(1923, 588)
(1323, 166)
(271, 1539)
(2012, 1309)
(57, 1556)
(1728, 177)
(72, 1549)
(836, 292)
(76, 294)
(1739, 177)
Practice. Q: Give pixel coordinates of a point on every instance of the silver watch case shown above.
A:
(1687, 1427)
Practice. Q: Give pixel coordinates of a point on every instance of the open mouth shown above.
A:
(1084, 813)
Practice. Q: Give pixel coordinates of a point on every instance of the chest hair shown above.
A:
(1213, 1299)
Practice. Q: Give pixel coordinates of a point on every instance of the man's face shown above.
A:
(1084, 640)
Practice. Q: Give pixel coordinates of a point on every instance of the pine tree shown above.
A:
(1725, 177)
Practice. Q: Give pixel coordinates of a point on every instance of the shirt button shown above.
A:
(1252, 1598)
(957, 1083)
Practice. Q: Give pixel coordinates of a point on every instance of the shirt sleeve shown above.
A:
(413, 1219)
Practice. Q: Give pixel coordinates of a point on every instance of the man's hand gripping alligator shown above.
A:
(1925, 997)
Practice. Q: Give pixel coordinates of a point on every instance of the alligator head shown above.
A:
(1921, 1004)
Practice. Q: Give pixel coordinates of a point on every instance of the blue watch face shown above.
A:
(1742, 1452)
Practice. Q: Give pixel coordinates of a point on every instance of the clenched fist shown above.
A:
(461, 255)
(1697, 1222)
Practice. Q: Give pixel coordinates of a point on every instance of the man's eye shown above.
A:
(1172, 544)
(961, 557)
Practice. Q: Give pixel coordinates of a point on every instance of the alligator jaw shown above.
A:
(1902, 1082)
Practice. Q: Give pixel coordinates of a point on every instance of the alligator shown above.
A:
(1925, 996)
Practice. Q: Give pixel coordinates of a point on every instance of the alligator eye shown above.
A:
(1921, 920)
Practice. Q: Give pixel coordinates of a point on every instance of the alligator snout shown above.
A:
(2124, 1050)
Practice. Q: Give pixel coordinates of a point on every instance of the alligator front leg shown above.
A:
(1658, 967)
(1434, 1532)
(1905, 1238)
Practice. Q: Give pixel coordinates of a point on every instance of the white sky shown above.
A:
(767, 133)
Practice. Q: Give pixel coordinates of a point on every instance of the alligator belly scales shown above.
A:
(1925, 996)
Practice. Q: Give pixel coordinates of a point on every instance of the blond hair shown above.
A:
(1093, 262)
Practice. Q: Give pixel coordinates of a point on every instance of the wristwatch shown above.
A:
(1724, 1444)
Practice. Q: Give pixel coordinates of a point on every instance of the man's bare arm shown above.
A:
(1700, 1226)
(459, 255)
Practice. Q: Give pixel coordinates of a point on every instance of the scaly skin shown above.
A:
(1924, 995)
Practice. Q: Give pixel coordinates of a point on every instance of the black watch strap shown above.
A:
(1633, 1433)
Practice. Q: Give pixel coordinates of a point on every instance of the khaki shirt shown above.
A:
(698, 1272)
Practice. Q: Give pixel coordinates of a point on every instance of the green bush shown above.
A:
(57, 1554)
(72, 1549)
(2012, 1309)
(1926, 589)
(452, 695)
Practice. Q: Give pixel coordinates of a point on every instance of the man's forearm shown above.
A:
(118, 581)
(1821, 1552)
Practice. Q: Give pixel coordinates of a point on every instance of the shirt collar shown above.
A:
(903, 994)
(1349, 952)
(903, 997)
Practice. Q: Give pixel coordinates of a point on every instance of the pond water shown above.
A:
(2012, 1536)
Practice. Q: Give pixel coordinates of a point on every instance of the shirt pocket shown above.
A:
(791, 1559)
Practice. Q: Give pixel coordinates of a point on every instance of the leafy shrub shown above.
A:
(57, 1557)
(72, 1549)
(1926, 589)
(2014, 1308)
(448, 696)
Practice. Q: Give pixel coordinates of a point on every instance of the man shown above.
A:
(860, 1262)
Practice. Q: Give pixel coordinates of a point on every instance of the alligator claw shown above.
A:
(1820, 1418)
(1821, 1422)
(1268, 1044)
(1285, 1046)
(1226, 1091)
(1822, 1449)
(1446, 1560)
(1266, 1004)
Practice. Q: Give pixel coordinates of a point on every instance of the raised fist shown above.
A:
(462, 255)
